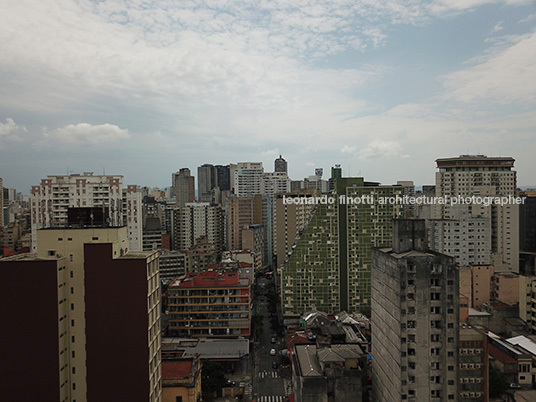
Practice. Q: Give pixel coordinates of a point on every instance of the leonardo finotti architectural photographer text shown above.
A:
(405, 200)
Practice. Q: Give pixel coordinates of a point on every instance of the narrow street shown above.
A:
(268, 386)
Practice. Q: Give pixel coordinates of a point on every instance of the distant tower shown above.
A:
(336, 173)
(206, 181)
(183, 186)
(280, 165)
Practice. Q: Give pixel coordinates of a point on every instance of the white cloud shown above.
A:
(380, 148)
(348, 150)
(446, 6)
(86, 134)
(505, 75)
(10, 127)
(498, 27)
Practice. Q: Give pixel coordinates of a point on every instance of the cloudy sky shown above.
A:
(143, 88)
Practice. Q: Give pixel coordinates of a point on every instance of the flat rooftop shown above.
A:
(213, 349)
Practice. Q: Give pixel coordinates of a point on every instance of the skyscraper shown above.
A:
(329, 268)
(415, 317)
(223, 176)
(183, 187)
(206, 182)
(483, 176)
(280, 165)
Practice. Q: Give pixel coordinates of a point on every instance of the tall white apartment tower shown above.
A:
(50, 201)
(483, 176)
(247, 178)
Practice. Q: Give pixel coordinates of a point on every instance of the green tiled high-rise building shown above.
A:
(329, 268)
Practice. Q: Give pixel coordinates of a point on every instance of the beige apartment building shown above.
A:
(483, 176)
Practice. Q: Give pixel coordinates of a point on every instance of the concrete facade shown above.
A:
(415, 317)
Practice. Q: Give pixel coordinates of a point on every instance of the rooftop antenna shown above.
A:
(103, 170)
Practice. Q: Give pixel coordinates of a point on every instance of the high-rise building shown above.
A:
(207, 180)
(195, 220)
(290, 221)
(223, 176)
(92, 345)
(336, 173)
(183, 184)
(132, 204)
(247, 178)
(280, 165)
(275, 183)
(415, 317)
(329, 268)
(241, 212)
(409, 191)
(527, 222)
(464, 236)
(483, 176)
(52, 199)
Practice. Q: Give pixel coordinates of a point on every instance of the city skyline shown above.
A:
(144, 89)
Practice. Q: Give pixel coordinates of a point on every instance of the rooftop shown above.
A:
(176, 369)
(208, 348)
(210, 278)
(524, 343)
(501, 356)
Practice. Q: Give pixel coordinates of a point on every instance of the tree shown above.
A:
(212, 377)
(498, 383)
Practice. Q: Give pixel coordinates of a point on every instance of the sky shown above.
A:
(143, 88)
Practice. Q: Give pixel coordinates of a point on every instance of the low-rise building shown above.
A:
(210, 304)
(331, 373)
(181, 380)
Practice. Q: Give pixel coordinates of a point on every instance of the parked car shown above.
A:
(272, 340)
(272, 352)
(275, 365)
(515, 386)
